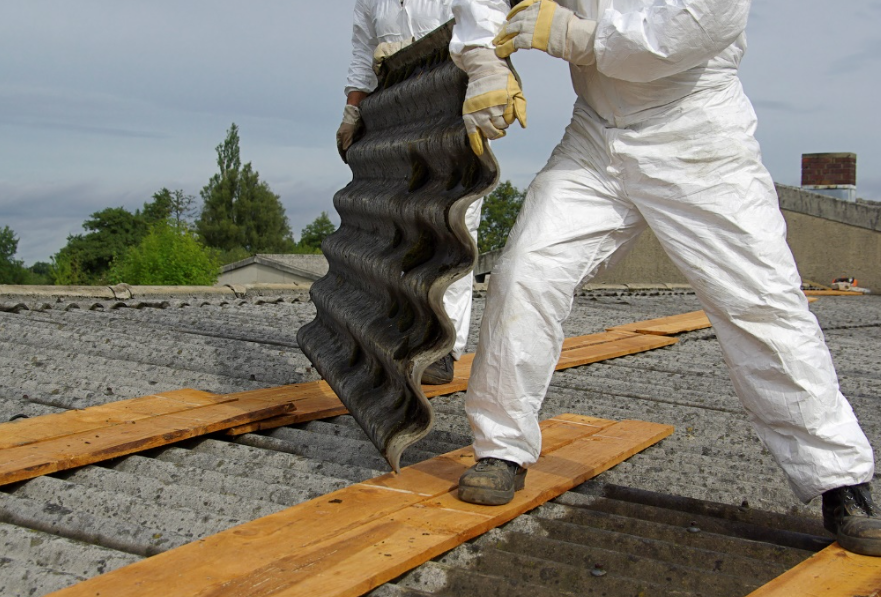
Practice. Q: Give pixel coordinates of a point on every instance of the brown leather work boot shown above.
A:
(491, 482)
(849, 514)
(439, 372)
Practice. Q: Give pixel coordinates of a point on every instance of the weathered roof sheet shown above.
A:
(402, 240)
(74, 351)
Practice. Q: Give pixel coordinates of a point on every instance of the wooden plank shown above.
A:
(832, 572)
(40, 458)
(77, 438)
(665, 326)
(316, 401)
(610, 350)
(45, 427)
(352, 540)
(572, 356)
(833, 293)
(580, 350)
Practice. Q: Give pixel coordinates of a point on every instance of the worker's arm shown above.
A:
(477, 23)
(361, 77)
(361, 80)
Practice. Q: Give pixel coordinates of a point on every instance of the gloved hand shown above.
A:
(386, 49)
(547, 26)
(345, 135)
(493, 99)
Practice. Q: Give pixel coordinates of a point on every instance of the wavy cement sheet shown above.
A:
(401, 242)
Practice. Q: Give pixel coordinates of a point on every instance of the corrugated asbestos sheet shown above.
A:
(704, 512)
(402, 240)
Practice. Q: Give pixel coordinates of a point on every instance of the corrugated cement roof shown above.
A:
(705, 512)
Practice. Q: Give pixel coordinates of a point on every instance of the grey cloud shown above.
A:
(866, 60)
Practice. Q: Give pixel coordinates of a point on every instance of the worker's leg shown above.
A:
(571, 223)
(457, 299)
(716, 214)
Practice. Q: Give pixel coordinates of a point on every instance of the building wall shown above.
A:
(256, 273)
(829, 238)
(825, 250)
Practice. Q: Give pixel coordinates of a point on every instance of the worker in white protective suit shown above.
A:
(661, 136)
(381, 28)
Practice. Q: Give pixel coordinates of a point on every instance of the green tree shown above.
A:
(39, 273)
(11, 270)
(169, 255)
(500, 209)
(86, 258)
(312, 235)
(239, 210)
(170, 204)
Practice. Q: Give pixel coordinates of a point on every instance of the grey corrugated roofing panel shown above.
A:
(402, 241)
(106, 515)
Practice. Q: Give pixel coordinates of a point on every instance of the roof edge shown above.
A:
(861, 214)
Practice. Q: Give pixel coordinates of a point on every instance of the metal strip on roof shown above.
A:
(402, 240)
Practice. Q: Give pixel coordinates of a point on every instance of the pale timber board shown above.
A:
(832, 572)
(57, 442)
(610, 350)
(78, 449)
(580, 350)
(665, 326)
(350, 541)
(316, 401)
(45, 427)
(832, 293)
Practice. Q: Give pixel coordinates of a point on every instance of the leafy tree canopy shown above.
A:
(169, 255)
(109, 234)
(313, 234)
(87, 257)
(239, 210)
(170, 204)
(500, 209)
(11, 269)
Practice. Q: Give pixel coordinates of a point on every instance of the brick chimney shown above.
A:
(833, 174)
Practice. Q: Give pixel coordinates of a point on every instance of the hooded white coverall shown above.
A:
(661, 136)
(378, 21)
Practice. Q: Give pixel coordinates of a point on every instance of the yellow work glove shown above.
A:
(386, 49)
(493, 99)
(547, 26)
(345, 135)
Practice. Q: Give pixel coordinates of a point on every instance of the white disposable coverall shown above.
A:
(378, 21)
(661, 136)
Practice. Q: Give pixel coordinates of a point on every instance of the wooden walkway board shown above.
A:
(832, 572)
(617, 347)
(42, 428)
(52, 443)
(84, 443)
(832, 293)
(666, 326)
(350, 541)
(580, 350)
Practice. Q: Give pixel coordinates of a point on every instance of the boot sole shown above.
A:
(430, 380)
(485, 497)
(865, 547)
(491, 497)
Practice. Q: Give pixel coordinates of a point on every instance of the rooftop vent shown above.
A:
(833, 174)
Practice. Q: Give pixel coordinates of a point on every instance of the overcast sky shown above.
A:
(104, 102)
